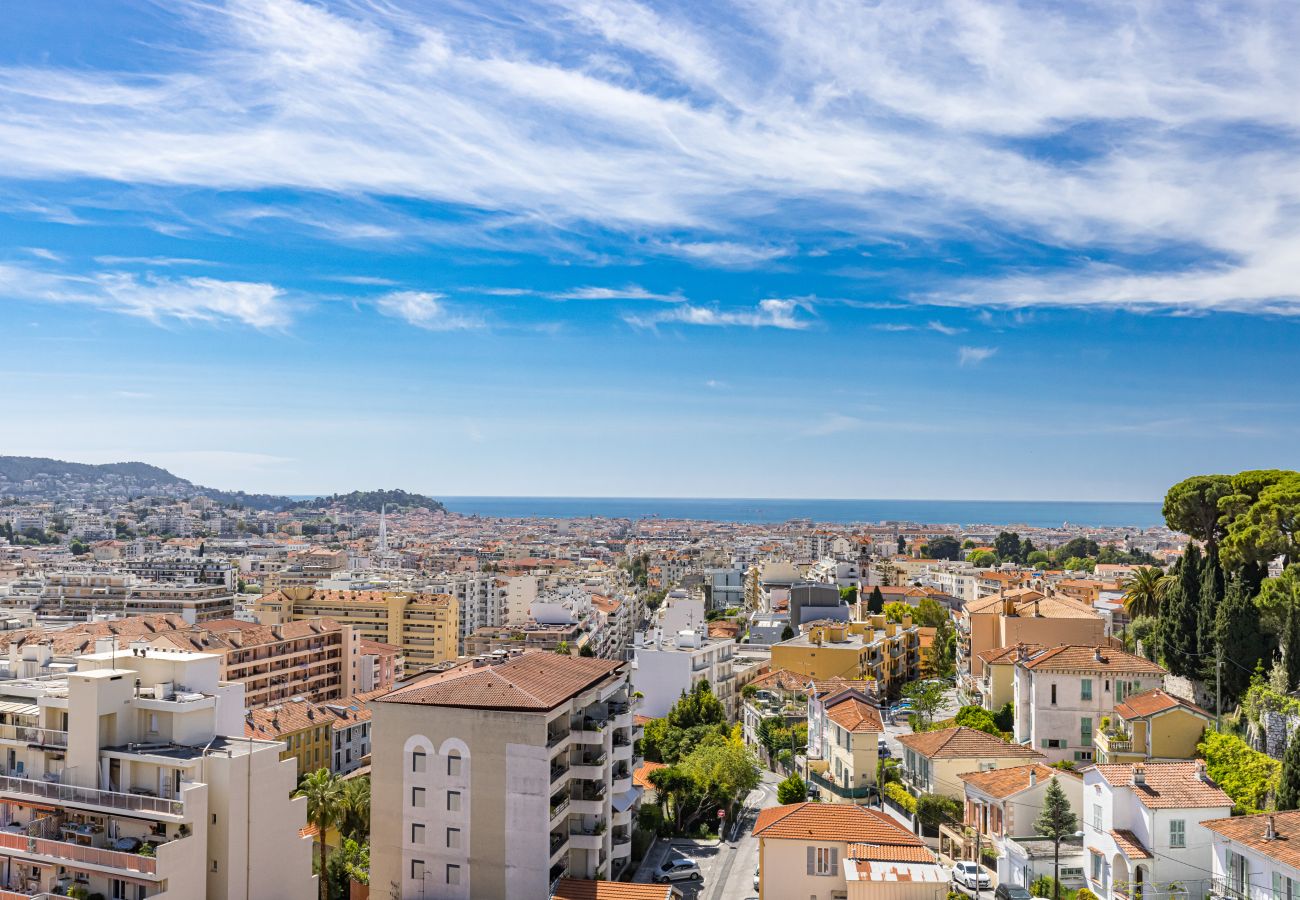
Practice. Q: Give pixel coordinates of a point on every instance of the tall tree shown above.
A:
(1211, 597)
(1178, 636)
(876, 601)
(1241, 644)
(354, 810)
(1143, 590)
(943, 548)
(324, 793)
(1007, 545)
(1026, 547)
(1288, 788)
(1057, 821)
(1192, 507)
(1291, 647)
(1262, 517)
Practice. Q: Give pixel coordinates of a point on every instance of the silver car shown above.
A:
(679, 869)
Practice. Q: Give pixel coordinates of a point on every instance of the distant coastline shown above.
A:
(1035, 513)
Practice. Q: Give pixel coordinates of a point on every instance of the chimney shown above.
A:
(1270, 829)
(1139, 776)
(1096, 654)
(1008, 606)
(1033, 775)
(1200, 771)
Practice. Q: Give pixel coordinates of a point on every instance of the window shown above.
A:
(1054, 743)
(417, 834)
(1177, 833)
(1083, 756)
(453, 873)
(824, 862)
(1053, 694)
(417, 762)
(453, 764)
(1085, 689)
(417, 797)
(1070, 872)
(1096, 816)
(453, 838)
(417, 869)
(1096, 867)
(453, 801)
(1085, 731)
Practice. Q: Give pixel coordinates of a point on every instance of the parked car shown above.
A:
(757, 876)
(969, 875)
(679, 869)
(1011, 892)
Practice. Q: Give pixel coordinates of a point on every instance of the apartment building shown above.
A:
(196, 569)
(666, 666)
(481, 597)
(1144, 829)
(933, 761)
(129, 778)
(887, 652)
(502, 777)
(82, 595)
(1063, 693)
(334, 736)
(425, 626)
(844, 731)
(380, 667)
(569, 638)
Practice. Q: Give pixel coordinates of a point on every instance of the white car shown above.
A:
(758, 878)
(970, 875)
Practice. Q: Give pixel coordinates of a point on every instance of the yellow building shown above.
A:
(425, 626)
(843, 746)
(304, 730)
(1152, 727)
(886, 652)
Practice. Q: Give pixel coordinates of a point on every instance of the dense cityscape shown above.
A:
(204, 698)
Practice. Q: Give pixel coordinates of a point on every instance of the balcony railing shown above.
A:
(68, 793)
(859, 793)
(76, 853)
(30, 734)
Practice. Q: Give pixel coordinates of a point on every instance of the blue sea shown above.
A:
(1038, 513)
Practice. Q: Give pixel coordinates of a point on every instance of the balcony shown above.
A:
(79, 796)
(558, 772)
(559, 807)
(556, 742)
(63, 852)
(559, 843)
(33, 736)
(622, 845)
(845, 793)
(1109, 745)
(582, 837)
(590, 766)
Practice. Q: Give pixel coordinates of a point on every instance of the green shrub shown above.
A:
(896, 792)
(1247, 776)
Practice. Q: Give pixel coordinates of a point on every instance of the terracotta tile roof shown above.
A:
(960, 741)
(1000, 783)
(1129, 845)
(272, 722)
(832, 822)
(1249, 831)
(907, 853)
(993, 603)
(855, 715)
(575, 889)
(1148, 703)
(1172, 785)
(1076, 658)
(1007, 655)
(535, 680)
(641, 775)
(723, 630)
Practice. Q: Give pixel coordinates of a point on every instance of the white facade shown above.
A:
(664, 668)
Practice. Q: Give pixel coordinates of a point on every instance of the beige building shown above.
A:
(137, 751)
(425, 626)
(1152, 727)
(887, 652)
(826, 851)
(500, 777)
(844, 731)
(934, 760)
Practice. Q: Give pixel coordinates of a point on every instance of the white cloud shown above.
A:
(950, 330)
(629, 292)
(704, 130)
(188, 299)
(836, 423)
(363, 280)
(425, 309)
(973, 356)
(893, 326)
(155, 261)
(771, 313)
(43, 253)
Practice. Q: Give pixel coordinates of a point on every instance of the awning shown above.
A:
(624, 801)
(19, 709)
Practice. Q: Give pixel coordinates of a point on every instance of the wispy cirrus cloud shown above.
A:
(628, 292)
(973, 356)
(770, 313)
(427, 310)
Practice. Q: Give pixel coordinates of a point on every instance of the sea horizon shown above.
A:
(763, 510)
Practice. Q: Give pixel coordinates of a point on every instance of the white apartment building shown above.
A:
(665, 667)
(482, 599)
(1254, 857)
(727, 588)
(1144, 831)
(521, 591)
(141, 749)
(502, 777)
(1063, 693)
(836, 572)
(955, 579)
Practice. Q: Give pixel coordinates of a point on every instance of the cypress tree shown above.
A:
(1288, 787)
(876, 601)
(1242, 644)
(1211, 596)
(1291, 647)
(1179, 643)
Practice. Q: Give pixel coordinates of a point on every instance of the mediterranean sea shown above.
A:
(1036, 513)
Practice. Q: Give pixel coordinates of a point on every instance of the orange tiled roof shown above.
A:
(855, 715)
(832, 822)
(1172, 785)
(1000, 783)
(577, 889)
(1006, 655)
(960, 741)
(534, 680)
(905, 853)
(641, 776)
(1074, 658)
(1148, 703)
(1129, 844)
(1250, 831)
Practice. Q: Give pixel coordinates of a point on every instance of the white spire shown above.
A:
(383, 528)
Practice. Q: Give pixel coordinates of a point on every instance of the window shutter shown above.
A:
(812, 860)
(835, 856)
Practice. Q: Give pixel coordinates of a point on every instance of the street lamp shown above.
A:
(1056, 864)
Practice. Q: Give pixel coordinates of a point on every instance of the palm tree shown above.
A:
(1144, 591)
(354, 820)
(324, 794)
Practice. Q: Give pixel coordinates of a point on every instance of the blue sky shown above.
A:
(602, 247)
